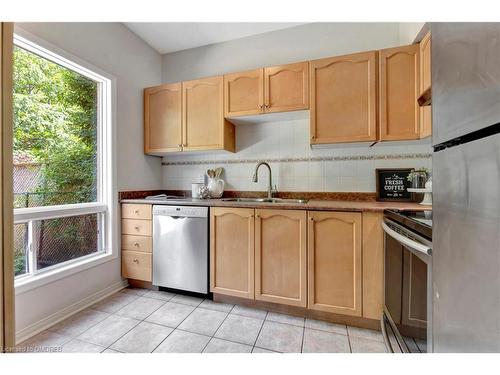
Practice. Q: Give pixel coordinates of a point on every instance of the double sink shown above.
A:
(265, 200)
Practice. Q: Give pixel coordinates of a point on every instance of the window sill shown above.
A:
(25, 284)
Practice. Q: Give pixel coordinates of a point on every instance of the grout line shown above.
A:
(274, 351)
(349, 341)
(260, 330)
(303, 334)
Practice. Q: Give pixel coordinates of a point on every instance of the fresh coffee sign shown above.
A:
(393, 184)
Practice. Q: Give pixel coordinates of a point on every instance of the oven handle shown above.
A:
(406, 241)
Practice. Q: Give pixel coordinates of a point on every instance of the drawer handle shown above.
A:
(137, 228)
(136, 212)
(136, 260)
(136, 244)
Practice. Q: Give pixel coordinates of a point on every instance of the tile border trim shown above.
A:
(304, 159)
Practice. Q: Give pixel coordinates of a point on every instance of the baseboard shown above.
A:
(65, 313)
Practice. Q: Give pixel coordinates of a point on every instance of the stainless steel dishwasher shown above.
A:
(180, 248)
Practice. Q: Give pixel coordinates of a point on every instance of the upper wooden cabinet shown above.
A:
(425, 83)
(280, 256)
(286, 87)
(244, 93)
(203, 123)
(399, 90)
(232, 251)
(162, 119)
(344, 98)
(272, 89)
(335, 266)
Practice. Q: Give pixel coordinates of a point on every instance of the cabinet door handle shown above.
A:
(179, 145)
(267, 106)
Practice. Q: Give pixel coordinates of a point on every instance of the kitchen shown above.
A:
(254, 192)
(307, 252)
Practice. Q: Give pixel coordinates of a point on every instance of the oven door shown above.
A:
(407, 271)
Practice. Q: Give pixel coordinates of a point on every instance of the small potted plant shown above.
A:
(418, 177)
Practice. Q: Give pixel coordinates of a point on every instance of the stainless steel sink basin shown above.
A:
(265, 200)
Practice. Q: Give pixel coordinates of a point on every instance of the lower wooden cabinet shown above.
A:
(335, 262)
(137, 265)
(322, 260)
(137, 242)
(373, 265)
(281, 256)
(232, 251)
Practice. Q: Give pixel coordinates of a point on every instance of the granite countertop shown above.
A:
(313, 204)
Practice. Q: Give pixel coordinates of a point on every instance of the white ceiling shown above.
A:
(169, 37)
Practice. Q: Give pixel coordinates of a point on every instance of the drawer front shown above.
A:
(137, 243)
(137, 227)
(137, 265)
(136, 211)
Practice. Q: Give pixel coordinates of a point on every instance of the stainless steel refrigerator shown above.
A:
(466, 183)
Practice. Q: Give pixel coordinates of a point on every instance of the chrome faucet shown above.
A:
(270, 190)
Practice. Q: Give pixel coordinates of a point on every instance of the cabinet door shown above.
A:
(280, 256)
(232, 251)
(244, 93)
(335, 262)
(414, 309)
(203, 124)
(425, 83)
(162, 119)
(344, 99)
(286, 87)
(399, 90)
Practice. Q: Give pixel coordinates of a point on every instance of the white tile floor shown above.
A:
(141, 321)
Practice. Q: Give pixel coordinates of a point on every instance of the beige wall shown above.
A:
(305, 42)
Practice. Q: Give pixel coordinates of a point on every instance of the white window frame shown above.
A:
(105, 205)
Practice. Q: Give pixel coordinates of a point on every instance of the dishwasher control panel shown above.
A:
(181, 211)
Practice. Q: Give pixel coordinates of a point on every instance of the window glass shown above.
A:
(66, 238)
(20, 249)
(55, 133)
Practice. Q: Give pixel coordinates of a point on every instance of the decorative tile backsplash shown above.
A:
(295, 165)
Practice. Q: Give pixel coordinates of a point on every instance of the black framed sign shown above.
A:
(392, 184)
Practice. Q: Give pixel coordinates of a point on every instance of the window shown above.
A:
(62, 183)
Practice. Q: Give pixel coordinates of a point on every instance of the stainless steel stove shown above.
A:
(406, 321)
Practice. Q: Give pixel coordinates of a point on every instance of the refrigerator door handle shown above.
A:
(406, 241)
